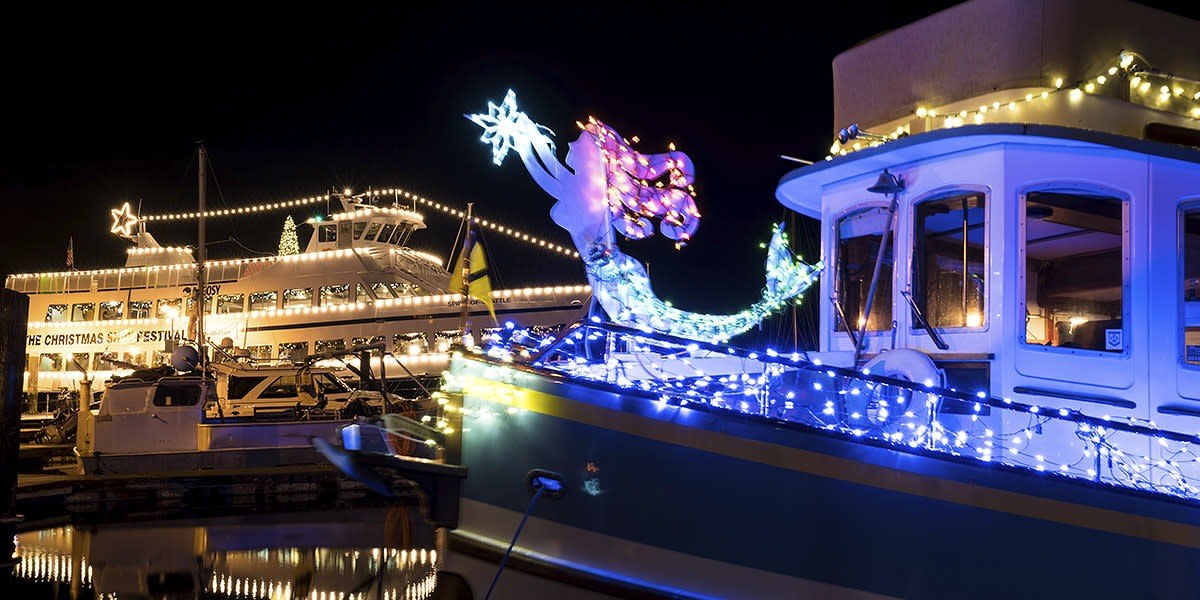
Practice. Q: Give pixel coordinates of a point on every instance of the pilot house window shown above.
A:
(858, 236)
(948, 272)
(385, 233)
(1074, 277)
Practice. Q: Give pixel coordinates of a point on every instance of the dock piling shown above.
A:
(14, 324)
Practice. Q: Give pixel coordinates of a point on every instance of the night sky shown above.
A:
(109, 108)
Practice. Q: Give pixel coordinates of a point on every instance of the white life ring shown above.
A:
(907, 364)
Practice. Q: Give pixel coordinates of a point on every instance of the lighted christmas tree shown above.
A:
(288, 244)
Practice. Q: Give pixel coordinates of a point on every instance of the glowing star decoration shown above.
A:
(123, 220)
(506, 128)
(604, 186)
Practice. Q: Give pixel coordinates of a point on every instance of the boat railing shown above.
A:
(796, 389)
(128, 278)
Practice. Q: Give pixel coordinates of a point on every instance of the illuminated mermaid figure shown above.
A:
(604, 186)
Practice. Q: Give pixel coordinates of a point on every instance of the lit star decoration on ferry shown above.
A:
(504, 125)
(123, 220)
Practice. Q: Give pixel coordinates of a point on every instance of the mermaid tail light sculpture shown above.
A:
(604, 187)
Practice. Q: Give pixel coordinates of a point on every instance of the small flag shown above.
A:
(71, 252)
(479, 286)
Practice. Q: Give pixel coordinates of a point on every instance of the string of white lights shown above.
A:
(1163, 91)
(372, 195)
(1109, 450)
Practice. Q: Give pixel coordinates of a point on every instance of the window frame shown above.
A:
(1022, 304)
(942, 194)
(836, 283)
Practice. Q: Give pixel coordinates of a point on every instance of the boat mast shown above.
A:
(201, 284)
(465, 273)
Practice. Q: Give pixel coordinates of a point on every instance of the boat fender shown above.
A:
(907, 364)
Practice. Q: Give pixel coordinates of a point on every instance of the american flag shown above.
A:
(71, 252)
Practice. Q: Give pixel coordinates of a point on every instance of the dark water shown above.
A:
(367, 552)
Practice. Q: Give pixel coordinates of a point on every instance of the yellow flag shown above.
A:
(479, 285)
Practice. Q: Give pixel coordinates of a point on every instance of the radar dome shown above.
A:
(185, 358)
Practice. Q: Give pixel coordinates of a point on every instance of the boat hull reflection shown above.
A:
(388, 552)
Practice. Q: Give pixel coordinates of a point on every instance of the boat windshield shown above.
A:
(330, 384)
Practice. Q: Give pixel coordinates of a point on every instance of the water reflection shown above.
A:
(342, 553)
(375, 552)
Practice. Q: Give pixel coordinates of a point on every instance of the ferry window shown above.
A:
(410, 343)
(240, 386)
(169, 308)
(386, 233)
(1074, 270)
(50, 362)
(329, 345)
(139, 309)
(367, 341)
(371, 231)
(85, 311)
(327, 233)
(948, 272)
(230, 303)
(177, 395)
(332, 295)
(101, 361)
(263, 300)
(293, 351)
(360, 293)
(382, 291)
(282, 387)
(77, 361)
(1190, 252)
(56, 313)
(297, 297)
(359, 227)
(858, 237)
(442, 340)
(260, 352)
(112, 310)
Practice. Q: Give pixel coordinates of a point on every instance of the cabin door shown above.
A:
(174, 413)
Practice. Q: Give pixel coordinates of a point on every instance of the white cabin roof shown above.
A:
(982, 47)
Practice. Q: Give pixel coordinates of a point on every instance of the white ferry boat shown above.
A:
(356, 283)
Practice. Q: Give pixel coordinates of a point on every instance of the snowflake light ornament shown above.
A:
(504, 126)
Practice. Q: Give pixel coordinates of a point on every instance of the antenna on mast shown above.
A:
(201, 283)
(465, 273)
